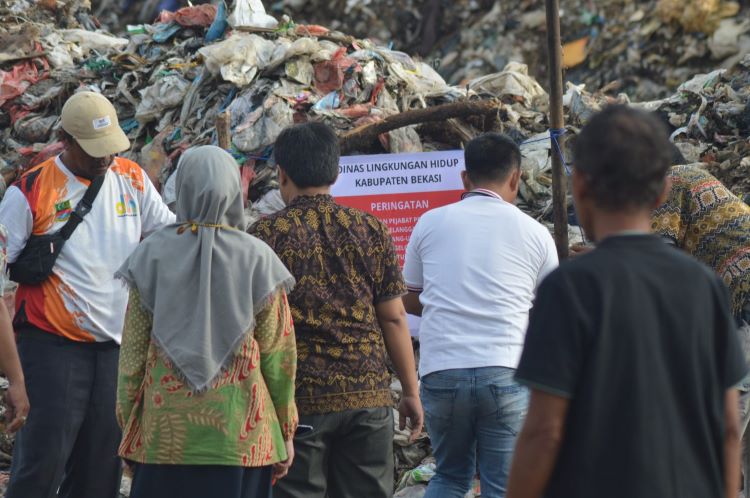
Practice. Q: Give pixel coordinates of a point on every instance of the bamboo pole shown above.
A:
(557, 122)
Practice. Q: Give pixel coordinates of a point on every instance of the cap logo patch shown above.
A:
(100, 123)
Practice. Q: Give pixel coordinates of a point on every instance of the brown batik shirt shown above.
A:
(345, 263)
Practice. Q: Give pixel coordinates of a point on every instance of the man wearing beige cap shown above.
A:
(69, 323)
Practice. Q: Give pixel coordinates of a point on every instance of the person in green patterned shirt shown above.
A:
(205, 392)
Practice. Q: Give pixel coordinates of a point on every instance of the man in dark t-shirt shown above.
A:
(631, 352)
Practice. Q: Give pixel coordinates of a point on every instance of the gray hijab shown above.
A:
(203, 278)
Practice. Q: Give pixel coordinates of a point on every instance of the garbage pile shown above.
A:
(710, 119)
(172, 79)
(645, 49)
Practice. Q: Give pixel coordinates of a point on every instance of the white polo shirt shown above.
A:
(477, 264)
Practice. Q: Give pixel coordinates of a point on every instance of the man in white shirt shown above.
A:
(472, 269)
(69, 326)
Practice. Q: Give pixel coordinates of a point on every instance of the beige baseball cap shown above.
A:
(92, 120)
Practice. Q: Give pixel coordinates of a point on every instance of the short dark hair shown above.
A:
(491, 157)
(625, 154)
(64, 136)
(309, 153)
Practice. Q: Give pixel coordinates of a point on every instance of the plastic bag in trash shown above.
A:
(330, 75)
(238, 58)
(404, 139)
(270, 203)
(166, 93)
(199, 15)
(327, 103)
(154, 157)
(251, 14)
(35, 128)
(513, 80)
(412, 492)
(15, 82)
(58, 51)
(219, 25)
(419, 475)
(17, 44)
(93, 41)
(259, 132)
(299, 70)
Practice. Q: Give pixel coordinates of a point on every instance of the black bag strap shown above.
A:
(83, 207)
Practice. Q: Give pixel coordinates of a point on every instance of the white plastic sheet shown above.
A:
(251, 14)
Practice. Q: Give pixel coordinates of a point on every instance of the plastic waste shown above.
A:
(263, 126)
(411, 492)
(238, 58)
(35, 128)
(329, 75)
(270, 203)
(299, 70)
(404, 140)
(696, 15)
(201, 15)
(327, 103)
(726, 39)
(14, 83)
(419, 475)
(513, 81)
(154, 157)
(90, 41)
(166, 93)
(574, 53)
(251, 14)
(219, 25)
(165, 32)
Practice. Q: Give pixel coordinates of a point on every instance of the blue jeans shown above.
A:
(472, 413)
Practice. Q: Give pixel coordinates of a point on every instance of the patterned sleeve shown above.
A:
(673, 218)
(389, 281)
(136, 338)
(274, 332)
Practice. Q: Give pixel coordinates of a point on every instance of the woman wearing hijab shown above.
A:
(208, 358)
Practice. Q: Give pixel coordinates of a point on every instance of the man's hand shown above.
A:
(411, 407)
(18, 406)
(281, 469)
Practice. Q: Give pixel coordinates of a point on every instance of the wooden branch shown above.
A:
(365, 135)
(223, 130)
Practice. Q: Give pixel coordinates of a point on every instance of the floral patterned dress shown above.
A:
(242, 420)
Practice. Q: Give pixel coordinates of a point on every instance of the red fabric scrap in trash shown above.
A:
(17, 112)
(310, 30)
(376, 92)
(165, 17)
(354, 112)
(247, 175)
(329, 75)
(24, 74)
(200, 15)
(49, 151)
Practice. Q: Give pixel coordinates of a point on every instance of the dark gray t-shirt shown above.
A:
(640, 338)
